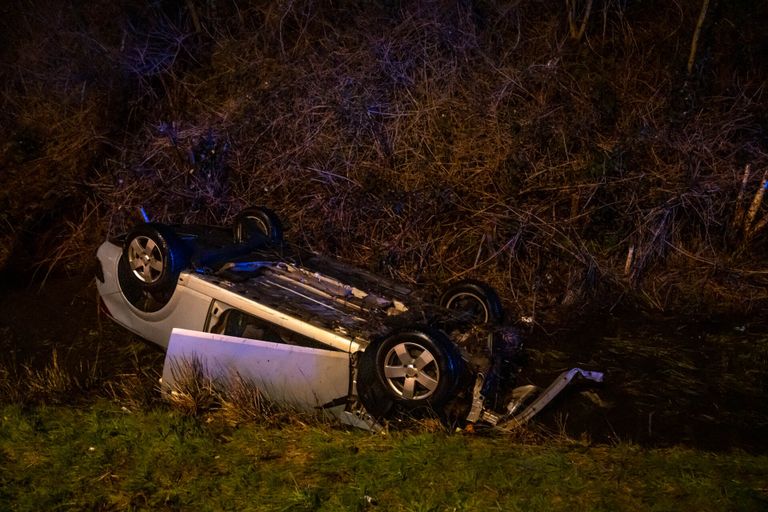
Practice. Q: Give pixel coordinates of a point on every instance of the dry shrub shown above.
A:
(194, 391)
(54, 383)
(233, 400)
(73, 244)
(134, 390)
(135, 384)
(56, 114)
(434, 140)
(241, 401)
(9, 388)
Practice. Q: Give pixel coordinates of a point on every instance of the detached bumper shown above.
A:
(516, 414)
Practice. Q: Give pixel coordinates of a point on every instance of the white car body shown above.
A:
(192, 307)
(298, 329)
(304, 378)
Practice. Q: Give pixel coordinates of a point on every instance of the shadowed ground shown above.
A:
(667, 383)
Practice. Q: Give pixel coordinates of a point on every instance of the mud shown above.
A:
(668, 382)
(63, 317)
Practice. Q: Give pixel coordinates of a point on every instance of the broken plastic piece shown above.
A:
(554, 389)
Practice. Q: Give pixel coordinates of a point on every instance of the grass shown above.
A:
(104, 457)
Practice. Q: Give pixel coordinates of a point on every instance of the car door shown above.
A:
(286, 367)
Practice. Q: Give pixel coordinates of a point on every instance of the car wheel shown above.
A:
(154, 257)
(410, 369)
(142, 299)
(477, 300)
(253, 224)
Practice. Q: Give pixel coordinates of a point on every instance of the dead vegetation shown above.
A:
(233, 401)
(571, 153)
(53, 383)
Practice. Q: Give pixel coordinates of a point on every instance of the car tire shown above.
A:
(143, 300)
(154, 257)
(408, 370)
(479, 300)
(254, 224)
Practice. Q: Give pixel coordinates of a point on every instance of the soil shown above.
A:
(667, 382)
(63, 317)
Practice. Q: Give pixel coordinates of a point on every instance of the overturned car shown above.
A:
(314, 333)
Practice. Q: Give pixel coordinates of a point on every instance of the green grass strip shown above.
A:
(103, 457)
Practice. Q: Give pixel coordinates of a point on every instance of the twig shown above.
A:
(759, 226)
(195, 17)
(756, 202)
(696, 34)
(577, 33)
(739, 215)
(630, 260)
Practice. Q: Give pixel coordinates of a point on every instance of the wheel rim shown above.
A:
(411, 371)
(255, 222)
(470, 303)
(145, 259)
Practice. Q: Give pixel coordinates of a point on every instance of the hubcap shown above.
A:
(145, 259)
(411, 371)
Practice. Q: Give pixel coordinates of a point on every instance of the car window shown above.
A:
(234, 322)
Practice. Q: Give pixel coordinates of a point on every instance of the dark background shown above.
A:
(427, 140)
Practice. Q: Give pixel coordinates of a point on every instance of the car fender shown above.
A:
(187, 308)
